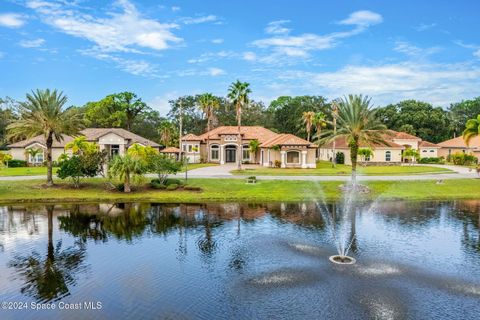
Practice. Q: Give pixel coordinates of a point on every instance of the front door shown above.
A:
(230, 153)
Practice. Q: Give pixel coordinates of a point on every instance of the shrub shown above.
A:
(155, 184)
(460, 158)
(172, 186)
(252, 178)
(432, 160)
(278, 163)
(120, 187)
(340, 158)
(80, 166)
(16, 163)
(178, 182)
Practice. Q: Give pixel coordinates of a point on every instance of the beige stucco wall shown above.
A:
(19, 153)
(428, 152)
(378, 155)
(111, 138)
(412, 143)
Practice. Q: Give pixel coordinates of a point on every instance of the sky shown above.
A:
(389, 50)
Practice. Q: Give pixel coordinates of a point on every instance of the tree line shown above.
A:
(286, 114)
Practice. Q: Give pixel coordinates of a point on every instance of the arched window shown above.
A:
(388, 156)
(293, 157)
(214, 152)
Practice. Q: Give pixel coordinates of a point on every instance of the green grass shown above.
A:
(325, 168)
(24, 171)
(213, 190)
(192, 166)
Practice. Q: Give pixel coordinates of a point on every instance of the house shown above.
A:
(114, 140)
(221, 144)
(389, 153)
(458, 145)
(172, 152)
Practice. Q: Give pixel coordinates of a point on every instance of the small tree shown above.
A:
(80, 145)
(254, 146)
(32, 153)
(410, 154)
(163, 165)
(365, 153)
(4, 158)
(81, 166)
(127, 168)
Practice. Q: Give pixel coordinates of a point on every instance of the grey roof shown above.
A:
(92, 134)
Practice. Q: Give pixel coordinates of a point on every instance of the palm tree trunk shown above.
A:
(239, 152)
(50, 251)
(208, 136)
(354, 158)
(49, 160)
(126, 185)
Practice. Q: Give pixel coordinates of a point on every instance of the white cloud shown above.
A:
(439, 84)
(199, 19)
(424, 26)
(217, 41)
(215, 72)
(209, 56)
(475, 47)
(36, 43)
(11, 20)
(123, 30)
(249, 56)
(414, 51)
(161, 104)
(477, 53)
(363, 18)
(276, 27)
(283, 45)
(175, 8)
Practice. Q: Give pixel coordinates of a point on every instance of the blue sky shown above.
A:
(390, 50)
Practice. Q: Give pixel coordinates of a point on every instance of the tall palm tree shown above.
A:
(357, 124)
(127, 168)
(308, 117)
(319, 121)
(208, 103)
(472, 129)
(238, 94)
(44, 114)
(167, 133)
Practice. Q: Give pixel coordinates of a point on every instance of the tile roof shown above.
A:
(458, 142)
(248, 132)
(427, 144)
(170, 150)
(341, 143)
(92, 134)
(191, 137)
(286, 139)
(401, 135)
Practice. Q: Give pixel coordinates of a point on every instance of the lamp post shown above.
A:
(334, 115)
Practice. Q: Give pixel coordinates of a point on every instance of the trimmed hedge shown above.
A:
(16, 163)
(432, 160)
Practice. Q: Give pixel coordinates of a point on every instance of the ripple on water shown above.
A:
(308, 249)
(378, 269)
(285, 277)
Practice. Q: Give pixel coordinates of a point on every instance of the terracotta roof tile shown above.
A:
(458, 142)
(247, 132)
(170, 150)
(342, 143)
(427, 144)
(401, 135)
(286, 139)
(191, 137)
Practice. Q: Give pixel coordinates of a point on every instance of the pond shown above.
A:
(415, 260)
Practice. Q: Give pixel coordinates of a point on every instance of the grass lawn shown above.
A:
(213, 190)
(192, 166)
(24, 171)
(324, 168)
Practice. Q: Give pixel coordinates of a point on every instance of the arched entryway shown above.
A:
(230, 154)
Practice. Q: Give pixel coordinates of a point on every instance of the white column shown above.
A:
(283, 156)
(222, 154)
(304, 159)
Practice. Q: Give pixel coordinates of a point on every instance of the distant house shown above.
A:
(458, 145)
(390, 152)
(114, 140)
(221, 144)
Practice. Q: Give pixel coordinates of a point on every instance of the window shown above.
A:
(38, 158)
(388, 156)
(432, 150)
(367, 158)
(190, 147)
(184, 147)
(114, 150)
(424, 151)
(214, 152)
(293, 157)
(246, 152)
(230, 138)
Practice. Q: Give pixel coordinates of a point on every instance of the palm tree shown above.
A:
(308, 121)
(319, 121)
(81, 145)
(472, 129)
(238, 93)
(32, 153)
(127, 168)
(254, 146)
(207, 102)
(43, 114)
(357, 124)
(167, 133)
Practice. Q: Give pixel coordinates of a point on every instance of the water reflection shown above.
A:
(224, 258)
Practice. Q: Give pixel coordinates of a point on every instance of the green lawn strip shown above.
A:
(24, 171)
(216, 190)
(192, 166)
(326, 169)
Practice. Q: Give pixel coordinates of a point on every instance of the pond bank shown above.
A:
(215, 190)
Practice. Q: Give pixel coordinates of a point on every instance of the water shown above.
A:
(415, 260)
